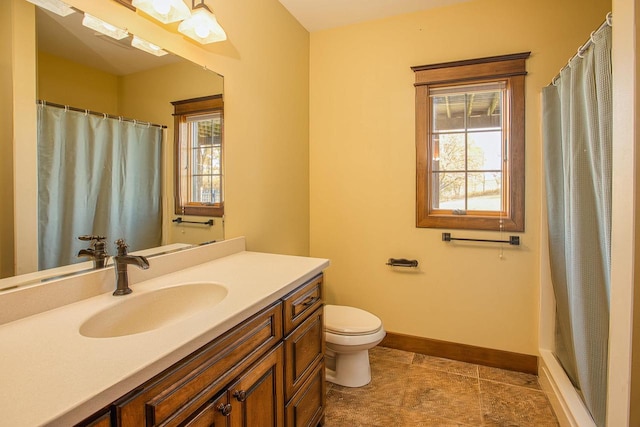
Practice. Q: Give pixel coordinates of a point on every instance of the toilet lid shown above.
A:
(344, 320)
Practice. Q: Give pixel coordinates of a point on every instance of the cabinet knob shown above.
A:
(241, 395)
(224, 409)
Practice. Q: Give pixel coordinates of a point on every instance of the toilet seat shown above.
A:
(350, 321)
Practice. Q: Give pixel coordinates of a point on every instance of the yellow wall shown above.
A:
(6, 141)
(23, 63)
(635, 370)
(362, 180)
(68, 83)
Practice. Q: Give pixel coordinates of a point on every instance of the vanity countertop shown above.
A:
(52, 375)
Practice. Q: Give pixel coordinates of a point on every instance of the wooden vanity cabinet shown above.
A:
(254, 399)
(266, 372)
(304, 355)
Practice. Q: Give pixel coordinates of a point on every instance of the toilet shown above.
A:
(349, 334)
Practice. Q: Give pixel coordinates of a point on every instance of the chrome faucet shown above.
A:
(96, 250)
(121, 261)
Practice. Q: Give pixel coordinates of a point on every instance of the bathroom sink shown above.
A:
(152, 310)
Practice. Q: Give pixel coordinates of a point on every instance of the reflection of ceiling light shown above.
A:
(165, 11)
(147, 47)
(56, 6)
(202, 26)
(105, 28)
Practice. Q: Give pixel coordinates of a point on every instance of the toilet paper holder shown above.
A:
(402, 262)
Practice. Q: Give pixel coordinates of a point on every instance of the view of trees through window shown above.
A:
(470, 152)
(467, 148)
(205, 134)
(199, 134)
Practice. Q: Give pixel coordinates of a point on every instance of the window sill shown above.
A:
(212, 211)
(466, 222)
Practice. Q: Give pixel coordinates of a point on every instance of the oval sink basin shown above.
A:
(152, 310)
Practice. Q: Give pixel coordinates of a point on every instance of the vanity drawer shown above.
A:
(306, 408)
(172, 396)
(299, 304)
(304, 348)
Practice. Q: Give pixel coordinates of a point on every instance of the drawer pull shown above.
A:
(224, 409)
(310, 300)
(240, 395)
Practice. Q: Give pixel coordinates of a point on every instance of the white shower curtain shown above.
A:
(96, 175)
(577, 117)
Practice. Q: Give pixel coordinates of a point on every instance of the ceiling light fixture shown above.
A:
(56, 6)
(202, 25)
(105, 28)
(165, 11)
(147, 46)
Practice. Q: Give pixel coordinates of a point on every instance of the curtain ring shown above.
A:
(66, 108)
(104, 116)
(86, 112)
(135, 122)
(610, 19)
(120, 119)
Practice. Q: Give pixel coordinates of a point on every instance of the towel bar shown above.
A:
(513, 240)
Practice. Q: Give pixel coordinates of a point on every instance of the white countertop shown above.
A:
(52, 375)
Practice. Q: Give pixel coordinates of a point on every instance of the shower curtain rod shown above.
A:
(95, 113)
(608, 22)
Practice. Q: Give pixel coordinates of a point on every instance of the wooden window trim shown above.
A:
(509, 68)
(182, 109)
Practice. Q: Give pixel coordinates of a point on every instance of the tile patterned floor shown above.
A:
(410, 389)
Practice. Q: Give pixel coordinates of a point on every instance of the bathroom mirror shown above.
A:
(143, 85)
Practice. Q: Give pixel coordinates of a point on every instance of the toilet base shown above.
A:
(351, 369)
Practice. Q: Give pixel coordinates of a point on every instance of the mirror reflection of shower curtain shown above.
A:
(98, 176)
(577, 125)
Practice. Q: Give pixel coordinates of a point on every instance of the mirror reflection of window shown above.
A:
(199, 167)
(203, 164)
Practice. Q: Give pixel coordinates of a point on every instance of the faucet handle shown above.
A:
(121, 246)
(97, 250)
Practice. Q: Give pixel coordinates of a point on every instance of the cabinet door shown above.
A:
(215, 414)
(304, 348)
(257, 396)
(306, 408)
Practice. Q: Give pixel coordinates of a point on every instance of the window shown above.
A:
(198, 156)
(470, 144)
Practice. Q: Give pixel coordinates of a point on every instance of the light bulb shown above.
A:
(202, 30)
(162, 6)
